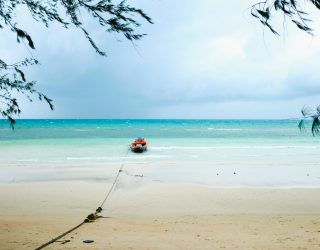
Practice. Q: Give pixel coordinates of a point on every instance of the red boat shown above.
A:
(139, 145)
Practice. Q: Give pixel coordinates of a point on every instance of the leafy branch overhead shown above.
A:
(264, 11)
(113, 17)
(12, 82)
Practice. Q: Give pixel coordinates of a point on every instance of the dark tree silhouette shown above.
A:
(113, 17)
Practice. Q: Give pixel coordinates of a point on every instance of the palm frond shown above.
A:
(313, 116)
(301, 125)
(305, 111)
(315, 128)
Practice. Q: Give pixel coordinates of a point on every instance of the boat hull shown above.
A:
(138, 149)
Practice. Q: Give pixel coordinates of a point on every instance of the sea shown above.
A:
(217, 153)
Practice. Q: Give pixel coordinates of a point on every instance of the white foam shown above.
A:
(233, 147)
(28, 160)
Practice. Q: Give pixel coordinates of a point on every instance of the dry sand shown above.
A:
(159, 216)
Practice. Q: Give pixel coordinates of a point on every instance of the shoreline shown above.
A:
(107, 181)
(132, 191)
(171, 215)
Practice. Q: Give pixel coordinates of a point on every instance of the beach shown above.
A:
(159, 125)
(202, 184)
(159, 216)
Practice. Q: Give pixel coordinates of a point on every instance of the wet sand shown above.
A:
(159, 216)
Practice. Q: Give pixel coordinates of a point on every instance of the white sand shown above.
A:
(159, 216)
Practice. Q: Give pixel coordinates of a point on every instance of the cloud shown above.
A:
(202, 57)
(215, 53)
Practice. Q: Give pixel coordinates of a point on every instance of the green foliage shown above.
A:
(291, 9)
(14, 81)
(314, 116)
(113, 17)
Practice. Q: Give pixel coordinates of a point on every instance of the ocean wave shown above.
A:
(225, 129)
(231, 147)
(28, 160)
(211, 129)
(150, 156)
(132, 157)
(92, 158)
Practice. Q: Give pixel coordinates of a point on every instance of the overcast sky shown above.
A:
(201, 59)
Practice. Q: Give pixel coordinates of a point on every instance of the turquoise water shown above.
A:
(218, 129)
(210, 152)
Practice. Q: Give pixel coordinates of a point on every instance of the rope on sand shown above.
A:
(93, 216)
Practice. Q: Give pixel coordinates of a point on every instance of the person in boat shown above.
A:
(139, 140)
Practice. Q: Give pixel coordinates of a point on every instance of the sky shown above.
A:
(205, 59)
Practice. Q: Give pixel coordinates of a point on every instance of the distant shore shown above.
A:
(159, 216)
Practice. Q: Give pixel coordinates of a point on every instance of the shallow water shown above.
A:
(212, 152)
